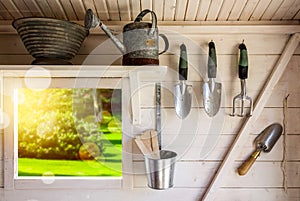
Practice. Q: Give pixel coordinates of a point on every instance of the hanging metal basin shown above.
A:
(50, 38)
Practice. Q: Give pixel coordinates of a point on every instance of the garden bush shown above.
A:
(53, 123)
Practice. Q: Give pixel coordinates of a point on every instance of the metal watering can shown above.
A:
(140, 39)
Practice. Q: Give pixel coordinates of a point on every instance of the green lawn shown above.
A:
(109, 164)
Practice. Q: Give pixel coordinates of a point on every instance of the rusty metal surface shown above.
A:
(127, 61)
(140, 44)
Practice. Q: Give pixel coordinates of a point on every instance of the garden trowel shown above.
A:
(264, 142)
(182, 91)
(211, 89)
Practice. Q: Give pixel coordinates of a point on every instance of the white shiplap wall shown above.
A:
(193, 170)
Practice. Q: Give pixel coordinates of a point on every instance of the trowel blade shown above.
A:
(183, 99)
(268, 137)
(212, 97)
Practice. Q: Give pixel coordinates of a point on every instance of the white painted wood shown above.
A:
(256, 194)
(203, 10)
(61, 182)
(78, 8)
(191, 10)
(169, 10)
(57, 9)
(189, 146)
(20, 4)
(124, 10)
(68, 10)
(135, 77)
(237, 9)
(113, 10)
(297, 16)
(180, 10)
(8, 145)
(225, 10)
(146, 4)
(102, 10)
(137, 194)
(288, 84)
(35, 9)
(10, 7)
(231, 29)
(260, 9)
(214, 9)
(258, 107)
(45, 8)
(282, 10)
(271, 10)
(135, 6)
(292, 11)
(198, 123)
(199, 172)
(127, 129)
(84, 71)
(128, 9)
(135, 97)
(158, 8)
(3, 12)
(248, 10)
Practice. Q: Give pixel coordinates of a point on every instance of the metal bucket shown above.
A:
(160, 172)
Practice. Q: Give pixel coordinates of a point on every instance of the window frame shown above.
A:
(68, 77)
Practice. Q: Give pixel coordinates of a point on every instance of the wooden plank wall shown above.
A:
(200, 141)
(166, 10)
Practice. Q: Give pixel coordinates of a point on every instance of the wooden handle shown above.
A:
(244, 168)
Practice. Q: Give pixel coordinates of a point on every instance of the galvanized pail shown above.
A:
(160, 172)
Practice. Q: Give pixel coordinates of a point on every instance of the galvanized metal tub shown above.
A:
(160, 172)
(50, 38)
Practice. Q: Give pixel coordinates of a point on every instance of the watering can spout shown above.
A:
(92, 21)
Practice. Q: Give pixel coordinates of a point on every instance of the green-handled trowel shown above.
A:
(212, 89)
(182, 91)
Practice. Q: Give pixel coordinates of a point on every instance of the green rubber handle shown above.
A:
(212, 61)
(243, 64)
(183, 63)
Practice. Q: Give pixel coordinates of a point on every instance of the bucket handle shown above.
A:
(154, 19)
(164, 37)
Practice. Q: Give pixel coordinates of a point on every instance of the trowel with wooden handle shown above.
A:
(182, 91)
(212, 89)
(264, 142)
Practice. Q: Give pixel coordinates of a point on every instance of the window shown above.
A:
(25, 91)
(57, 138)
(68, 132)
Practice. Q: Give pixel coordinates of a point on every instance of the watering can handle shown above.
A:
(164, 37)
(143, 13)
(154, 19)
(153, 26)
